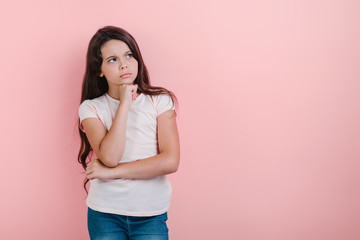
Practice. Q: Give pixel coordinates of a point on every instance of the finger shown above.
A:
(94, 161)
(88, 171)
(134, 90)
(133, 87)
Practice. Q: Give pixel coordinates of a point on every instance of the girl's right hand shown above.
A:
(127, 93)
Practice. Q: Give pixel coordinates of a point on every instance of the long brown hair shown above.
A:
(94, 86)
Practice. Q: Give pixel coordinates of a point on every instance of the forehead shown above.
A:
(114, 47)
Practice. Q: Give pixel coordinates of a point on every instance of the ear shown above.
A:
(101, 74)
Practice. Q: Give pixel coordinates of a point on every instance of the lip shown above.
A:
(125, 75)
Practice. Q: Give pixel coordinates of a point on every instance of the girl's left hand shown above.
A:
(96, 169)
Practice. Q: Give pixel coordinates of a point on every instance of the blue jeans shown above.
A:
(108, 226)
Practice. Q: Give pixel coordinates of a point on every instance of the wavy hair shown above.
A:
(94, 86)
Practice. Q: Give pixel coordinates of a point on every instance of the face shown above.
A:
(118, 66)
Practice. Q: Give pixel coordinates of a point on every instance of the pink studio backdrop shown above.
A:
(269, 114)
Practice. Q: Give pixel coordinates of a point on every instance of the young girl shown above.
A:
(131, 127)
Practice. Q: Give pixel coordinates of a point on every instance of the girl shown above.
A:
(131, 127)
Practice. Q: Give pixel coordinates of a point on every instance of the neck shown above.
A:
(114, 93)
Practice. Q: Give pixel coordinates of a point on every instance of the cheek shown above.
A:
(108, 70)
(134, 62)
(136, 66)
(103, 68)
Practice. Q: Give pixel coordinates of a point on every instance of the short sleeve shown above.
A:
(87, 110)
(165, 103)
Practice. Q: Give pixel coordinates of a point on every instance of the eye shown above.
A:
(112, 60)
(129, 55)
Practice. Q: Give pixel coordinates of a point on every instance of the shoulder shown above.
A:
(92, 106)
(95, 102)
(163, 103)
(163, 98)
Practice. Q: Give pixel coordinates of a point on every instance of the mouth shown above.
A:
(125, 75)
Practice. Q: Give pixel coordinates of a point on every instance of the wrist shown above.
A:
(114, 172)
(123, 109)
(124, 105)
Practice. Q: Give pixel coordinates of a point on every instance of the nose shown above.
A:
(123, 65)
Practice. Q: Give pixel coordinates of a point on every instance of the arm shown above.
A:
(109, 145)
(166, 162)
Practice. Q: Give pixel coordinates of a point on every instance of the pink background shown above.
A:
(269, 114)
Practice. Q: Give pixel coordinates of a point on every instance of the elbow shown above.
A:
(173, 165)
(108, 157)
(109, 162)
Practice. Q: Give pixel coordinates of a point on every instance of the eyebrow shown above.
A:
(110, 57)
(116, 56)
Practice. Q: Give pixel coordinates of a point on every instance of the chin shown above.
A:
(127, 82)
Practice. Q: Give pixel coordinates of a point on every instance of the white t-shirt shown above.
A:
(131, 197)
